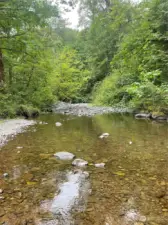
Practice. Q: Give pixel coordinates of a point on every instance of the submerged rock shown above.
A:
(44, 123)
(5, 175)
(79, 163)
(100, 165)
(64, 155)
(58, 124)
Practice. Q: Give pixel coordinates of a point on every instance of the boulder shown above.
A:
(143, 116)
(79, 163)
(64, 155)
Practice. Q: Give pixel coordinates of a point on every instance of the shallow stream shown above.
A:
(132, 189)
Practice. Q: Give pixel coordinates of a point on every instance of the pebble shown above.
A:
(79, 163)
(100, 165)
(86, 174)
(2, 197)
(43, 123)
(64, 155)
(138, 223)
(1, 191)
(19, 147)
(58, 124)
(142, 218)
(104, 135)
(5, 175)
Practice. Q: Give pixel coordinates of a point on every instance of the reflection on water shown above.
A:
(131, 189)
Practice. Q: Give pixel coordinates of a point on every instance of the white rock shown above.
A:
(1, 191)
(130, 142)
(6, 175)
(58, 124)
(43, 123)
(100, 165)
(104, 135)
(64, 155)
(19, 147)
(79, 163)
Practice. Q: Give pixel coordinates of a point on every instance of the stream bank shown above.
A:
(131, 189)
(10, 128)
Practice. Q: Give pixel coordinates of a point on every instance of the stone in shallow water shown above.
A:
(58, 124)
(104, 135)
(79, 163)
(100, 165)
(5, 175)
(64, 155)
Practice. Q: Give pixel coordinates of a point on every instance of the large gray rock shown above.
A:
(64, 155)
(79, 163)
(143, 115)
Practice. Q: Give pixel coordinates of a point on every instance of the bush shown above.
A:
(27, 111)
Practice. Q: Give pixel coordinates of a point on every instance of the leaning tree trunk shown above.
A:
(1, 68)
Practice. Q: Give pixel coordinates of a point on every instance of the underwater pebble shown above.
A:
(79, 162)
(5, 175)
(100, 165)
(58, 124)
(1, 191)
(64, 155)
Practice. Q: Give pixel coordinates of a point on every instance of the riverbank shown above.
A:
(85, 109)
(10, 128)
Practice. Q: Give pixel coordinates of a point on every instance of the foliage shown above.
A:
(70, 76)
(119, 57)
(139, 68)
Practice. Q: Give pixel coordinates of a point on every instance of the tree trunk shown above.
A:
(10, 76)
(107, 3)
(1, 68)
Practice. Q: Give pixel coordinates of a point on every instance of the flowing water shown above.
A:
(131, 189)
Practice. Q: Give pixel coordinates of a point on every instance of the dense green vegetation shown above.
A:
(118, 57)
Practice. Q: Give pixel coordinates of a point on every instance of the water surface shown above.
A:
(132, 188)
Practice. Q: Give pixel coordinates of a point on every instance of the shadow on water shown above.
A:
(131, 189)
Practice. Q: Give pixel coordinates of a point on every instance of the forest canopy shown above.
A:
(118, 57)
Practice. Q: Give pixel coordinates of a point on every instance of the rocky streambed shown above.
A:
(84, 109)
(78, 170)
